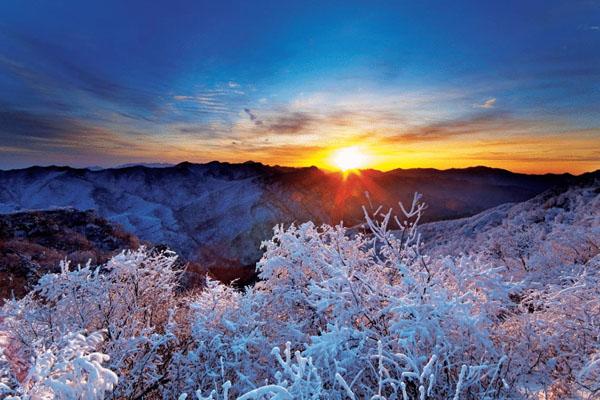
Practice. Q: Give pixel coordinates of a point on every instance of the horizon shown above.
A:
(512, 86)
(330, 170)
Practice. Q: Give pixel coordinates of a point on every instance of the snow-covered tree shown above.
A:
(338, 313)
(130, 298)
(69, 368)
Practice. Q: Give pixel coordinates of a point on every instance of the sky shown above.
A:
(508, 84)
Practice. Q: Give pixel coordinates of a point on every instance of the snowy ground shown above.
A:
(503, 305)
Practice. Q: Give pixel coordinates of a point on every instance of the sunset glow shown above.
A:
(349, 158)
(300, 83)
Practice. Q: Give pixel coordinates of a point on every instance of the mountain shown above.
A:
(149, 165)
(523, 308)
(532, 239)
(218, 213)
(34, 243)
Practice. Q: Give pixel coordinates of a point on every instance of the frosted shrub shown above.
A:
(69, 369)
(589, 376)
(129, 299)
(556, 332)
(337, 314)
(360, 316)
(227, 342)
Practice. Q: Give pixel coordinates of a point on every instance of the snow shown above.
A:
(219, 213)
(506, 306)
(189, 211)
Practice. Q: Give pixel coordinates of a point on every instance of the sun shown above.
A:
(349, 158)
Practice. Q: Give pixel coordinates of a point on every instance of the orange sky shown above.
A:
(574, 152)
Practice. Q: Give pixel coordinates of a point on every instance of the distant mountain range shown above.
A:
(149, 165)
(218, 213)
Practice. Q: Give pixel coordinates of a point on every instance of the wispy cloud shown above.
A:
(253, 117)
(489, 103)
(41, 133)
(487, 125)
(56, 79)
(290, 123)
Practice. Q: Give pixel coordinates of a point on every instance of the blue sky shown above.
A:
(443, 84)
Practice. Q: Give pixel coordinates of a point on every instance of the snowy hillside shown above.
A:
(218, 213)
(505, 306)
(33, 244)
(558, 227)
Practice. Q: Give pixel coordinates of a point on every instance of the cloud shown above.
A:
(60, 134)
(589, 27)
(233, 84)
(253, 117)
(489, 103)
(495, 123)
(208, 103)
(323, 120)
(512, 156)
(290, 123)
(56, 73)
(18, 124)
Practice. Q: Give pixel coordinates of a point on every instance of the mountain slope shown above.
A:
(33, 244)
(218, 213)
(557, 228)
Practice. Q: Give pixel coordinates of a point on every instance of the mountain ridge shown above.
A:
(218, 213)
(151, 165)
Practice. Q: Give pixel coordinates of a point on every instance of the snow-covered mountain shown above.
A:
(557, 228)
(504, 304)
(218, 213)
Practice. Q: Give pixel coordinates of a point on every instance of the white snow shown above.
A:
(507, 305)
